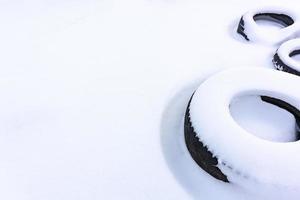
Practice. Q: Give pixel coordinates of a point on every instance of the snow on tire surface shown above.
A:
(246, 160)
(93, 94)
(251, 31)
(283, 58)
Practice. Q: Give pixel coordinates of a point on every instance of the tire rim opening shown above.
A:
(264, 120)
(295, 55)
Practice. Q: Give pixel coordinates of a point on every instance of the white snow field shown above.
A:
(93, 95)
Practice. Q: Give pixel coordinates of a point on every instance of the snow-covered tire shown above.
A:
(249, 29)
(224, 149)
(200, 153)
(283, 60)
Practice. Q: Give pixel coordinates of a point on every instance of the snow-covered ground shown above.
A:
(93, 94)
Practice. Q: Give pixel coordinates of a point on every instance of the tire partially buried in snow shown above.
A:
(251, 31)
(228, 152)
(283, 58)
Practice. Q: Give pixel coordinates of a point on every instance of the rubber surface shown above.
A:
(199, 152)
(280, 65)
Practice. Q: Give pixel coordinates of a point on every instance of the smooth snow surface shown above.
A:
(296, 57)
(93, 94)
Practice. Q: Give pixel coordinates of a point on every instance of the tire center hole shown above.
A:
(295, 55)
(273, 21)
(263, 119)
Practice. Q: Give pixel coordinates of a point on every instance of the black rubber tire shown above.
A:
(283, 19)
(200, 153)
(280, 65)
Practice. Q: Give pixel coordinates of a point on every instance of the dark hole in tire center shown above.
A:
(282, 19)
(295, 54)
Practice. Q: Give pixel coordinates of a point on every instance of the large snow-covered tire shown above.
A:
(283, 60)
(250, 31)
(224, 149)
